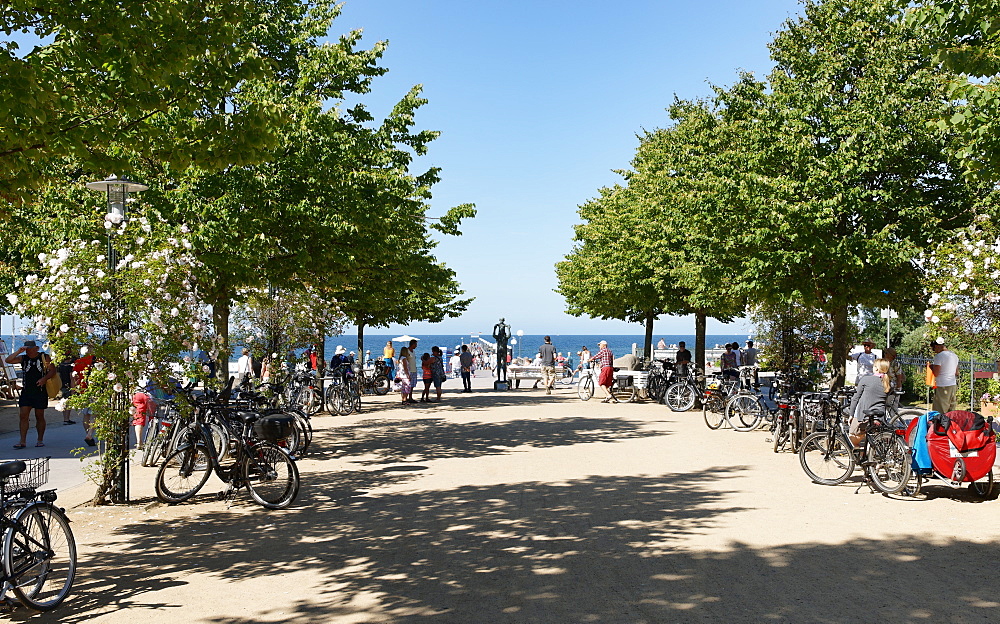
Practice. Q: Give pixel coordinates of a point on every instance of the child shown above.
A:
(425, 364)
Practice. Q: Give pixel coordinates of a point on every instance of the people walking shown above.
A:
(80, 370)
(466, 361)
(425, 367)
(36, 368)
(437, 370)
(604, 361)
(389, 355)
(945, 369)
(547, 353)
(405, 379)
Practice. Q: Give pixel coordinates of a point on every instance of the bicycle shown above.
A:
(717, 393)
(376, 382)
(829, 458)
(38, 552)
(258, 464)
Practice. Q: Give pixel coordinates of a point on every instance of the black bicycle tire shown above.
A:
(11, 567)
(780, 437)
(267, 453)
(585, 388)
(819, 441)
(712, 422)
(879, 448)
(168, 496)
(381, 385)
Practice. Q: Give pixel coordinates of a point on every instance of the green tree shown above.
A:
(612, 273)
(844, 181)
(178, 80)
(964, 37)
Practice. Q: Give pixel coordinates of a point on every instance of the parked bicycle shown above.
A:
(259, 465)
(38, 551)
(829, 458)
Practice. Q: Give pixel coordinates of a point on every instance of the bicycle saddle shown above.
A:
(247, 417)
(12, 469)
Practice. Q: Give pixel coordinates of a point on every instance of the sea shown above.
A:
(526, 345)
(520, 346)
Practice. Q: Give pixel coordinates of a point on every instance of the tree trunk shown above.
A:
(320, 351)
(220, 318)
(361, 342)
(837, 359)
(647, 348)
(699, 341)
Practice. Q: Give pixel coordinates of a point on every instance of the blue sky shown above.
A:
(537, 103)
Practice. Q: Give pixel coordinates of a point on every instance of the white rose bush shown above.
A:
(962, 286)
(137, 318)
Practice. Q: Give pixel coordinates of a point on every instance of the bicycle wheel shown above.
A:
(780, 437)
(827, 458)
(152, 447)
(306, 430)
(271, 476)
(343, 404)
(330, 399)
(680, 396)
(888, 462)
(744, 412)
(984, 488)
(39, 556)
(714, 413)
(182, 474)
(656, 388)
(585, 388)
(797, 431)
(625, 394)
(381, 385)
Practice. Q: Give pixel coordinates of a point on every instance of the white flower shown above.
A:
(206, 369)
(112, 376)
(963, 286)
(935, 319)
(100, 274)
(12, 298)
(31, 279)
(106, 295)
(64, 328)
(119, 387)
(99, 365)
(84, 297)
(100, 258)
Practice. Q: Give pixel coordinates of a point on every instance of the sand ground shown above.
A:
(521, 507)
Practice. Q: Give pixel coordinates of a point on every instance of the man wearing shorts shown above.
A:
(945, 369)
(36, 369)
(604, 360)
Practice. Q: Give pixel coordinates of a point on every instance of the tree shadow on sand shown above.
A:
(389, 440)
(600, 549)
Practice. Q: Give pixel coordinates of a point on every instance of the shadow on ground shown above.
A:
(379, 441)
(591, 550)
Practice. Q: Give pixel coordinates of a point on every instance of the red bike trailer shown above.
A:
(962, 448)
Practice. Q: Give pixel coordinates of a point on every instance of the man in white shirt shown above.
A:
(866, 359)
(945, 369)
(244, 368)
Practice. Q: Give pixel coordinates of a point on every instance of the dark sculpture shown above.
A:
(501, 333)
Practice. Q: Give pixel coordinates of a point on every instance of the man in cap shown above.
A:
(865, 359)
(547, 352)
(604, 360)
(945, 369)
(36, 368)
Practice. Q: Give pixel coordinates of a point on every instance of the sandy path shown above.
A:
(520, 507)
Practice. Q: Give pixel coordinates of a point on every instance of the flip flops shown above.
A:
(90, 441)
(19, 446)
(39, 444)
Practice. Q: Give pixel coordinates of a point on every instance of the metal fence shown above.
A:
(915, 369)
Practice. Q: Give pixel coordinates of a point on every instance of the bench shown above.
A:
(520, 373)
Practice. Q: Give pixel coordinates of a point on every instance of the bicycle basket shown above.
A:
(35, 475)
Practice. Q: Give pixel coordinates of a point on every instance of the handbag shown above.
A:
(53, 387)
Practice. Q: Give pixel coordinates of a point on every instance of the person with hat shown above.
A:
(36, 368)
(865, 359)
(340, 358)
(945, 369)
(604, 360)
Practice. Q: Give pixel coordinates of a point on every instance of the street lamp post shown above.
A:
(520, 334)
(117, 191)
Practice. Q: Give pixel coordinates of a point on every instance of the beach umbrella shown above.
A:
(404, 338)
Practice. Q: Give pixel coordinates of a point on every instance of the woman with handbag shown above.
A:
(36, 369)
